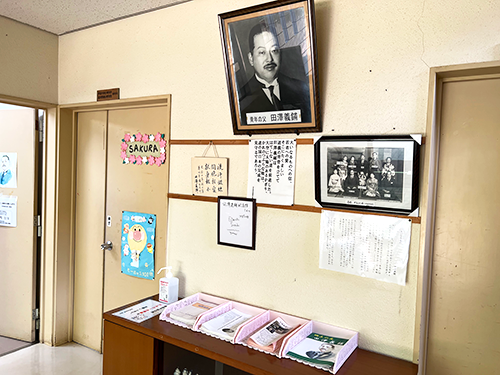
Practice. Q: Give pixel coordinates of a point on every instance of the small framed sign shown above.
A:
(109, 94)
(236, 222)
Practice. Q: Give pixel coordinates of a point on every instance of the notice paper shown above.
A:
(142, 311)
(8, 211)
(271, 171)
(365, 245)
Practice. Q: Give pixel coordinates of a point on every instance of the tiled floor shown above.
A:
(8, 345)
(41, 359)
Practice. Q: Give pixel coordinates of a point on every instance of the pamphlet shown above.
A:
(319, 350)
(225, 325)
(267, 336)
(188, 314)
(142, 311)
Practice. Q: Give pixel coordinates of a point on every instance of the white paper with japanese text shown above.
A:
(8, 211)
(365, 245)
(271, 171)
(142, 311)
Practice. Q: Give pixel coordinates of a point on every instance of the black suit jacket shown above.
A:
(294, 94)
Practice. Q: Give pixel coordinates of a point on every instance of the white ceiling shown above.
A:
(63, 16)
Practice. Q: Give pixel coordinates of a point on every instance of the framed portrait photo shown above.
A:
(270, 60)
(368, 173)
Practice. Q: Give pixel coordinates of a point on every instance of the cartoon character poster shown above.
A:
(138, 244)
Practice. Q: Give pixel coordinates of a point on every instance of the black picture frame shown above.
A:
(287, 53)
(236, 222)
(393, 161)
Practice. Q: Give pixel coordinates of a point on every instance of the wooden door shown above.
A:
(90, 205)
(464, 329)
(17, 244)
(106, 187)
(137, 188)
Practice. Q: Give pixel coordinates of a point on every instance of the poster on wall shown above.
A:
(138, 244)
(271, 171)
(8, 170)
(8, 211)
(365, 245)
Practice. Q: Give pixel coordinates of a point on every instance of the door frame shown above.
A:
(438, 76)
(48, 184)
(64, 249)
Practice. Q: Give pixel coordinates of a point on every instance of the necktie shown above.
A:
(276, 102)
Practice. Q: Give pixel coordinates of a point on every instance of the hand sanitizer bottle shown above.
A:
(169, 287)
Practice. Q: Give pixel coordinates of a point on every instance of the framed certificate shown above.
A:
(236, 222)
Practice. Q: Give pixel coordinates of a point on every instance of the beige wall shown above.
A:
(28, 62)
(28, 76)
(374, 60)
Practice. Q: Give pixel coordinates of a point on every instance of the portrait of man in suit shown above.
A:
(8, 170)
(271, 69)
(269, 89)
(5, 172)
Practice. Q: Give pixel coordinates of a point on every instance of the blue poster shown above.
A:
(138, 244)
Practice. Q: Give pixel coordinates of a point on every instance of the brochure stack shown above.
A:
(312, 343)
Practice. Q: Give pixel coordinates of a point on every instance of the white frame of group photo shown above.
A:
(368, 173)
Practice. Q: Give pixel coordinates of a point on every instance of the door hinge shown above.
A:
(37, 222)
(36, 317)
(39, 126)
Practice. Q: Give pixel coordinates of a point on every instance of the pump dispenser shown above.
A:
(169, 287)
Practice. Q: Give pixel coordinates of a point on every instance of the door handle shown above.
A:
(107, 246)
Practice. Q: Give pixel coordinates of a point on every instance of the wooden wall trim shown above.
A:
(217, 142)
(230, 142)
(295, 207)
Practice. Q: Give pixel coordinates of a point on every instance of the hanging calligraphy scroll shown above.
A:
(209, 174)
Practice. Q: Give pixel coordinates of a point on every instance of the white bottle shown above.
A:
(169, 287)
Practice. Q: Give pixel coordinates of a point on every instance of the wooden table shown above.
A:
(132, 349)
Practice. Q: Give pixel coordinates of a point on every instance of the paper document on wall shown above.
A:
(271, 171)
(8, 211)
(365, 245)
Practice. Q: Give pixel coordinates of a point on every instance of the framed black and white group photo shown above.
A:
(270, 60)
(370, 173)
